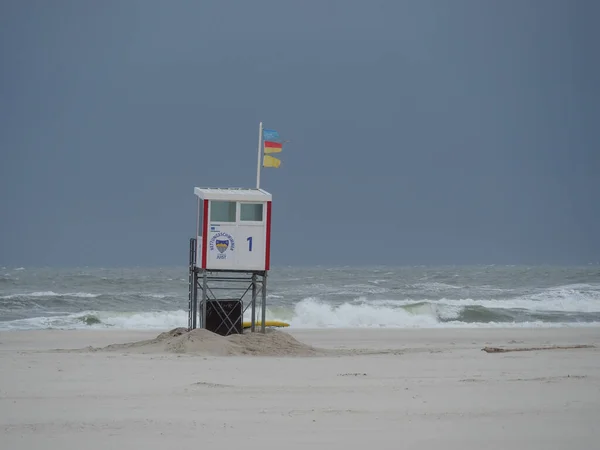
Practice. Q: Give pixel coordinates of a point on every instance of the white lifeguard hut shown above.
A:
(233, 229)
(231, 250)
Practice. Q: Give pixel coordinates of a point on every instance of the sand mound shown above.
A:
(272, 343)
(207, 343)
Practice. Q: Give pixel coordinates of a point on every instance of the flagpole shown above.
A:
(260, 130)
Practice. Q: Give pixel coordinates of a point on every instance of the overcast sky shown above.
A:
(422, 132)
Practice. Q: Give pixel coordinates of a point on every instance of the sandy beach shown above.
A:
(392, 389)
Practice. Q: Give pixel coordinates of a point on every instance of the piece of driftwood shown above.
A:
(532, 349)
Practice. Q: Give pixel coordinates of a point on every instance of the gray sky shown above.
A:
(423, 132)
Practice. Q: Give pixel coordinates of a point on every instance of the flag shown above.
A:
(270, 135)
(272, 143)
(273, 147)
(270, 161)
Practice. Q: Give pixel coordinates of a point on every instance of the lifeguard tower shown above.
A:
(229, 254)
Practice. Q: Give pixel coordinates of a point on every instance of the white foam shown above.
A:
(152, 320)
(558, 300)
(42, 294)
(126, 320)
(434, 286)
(310, 313)
(145, 320)
(340, 317)
(158, 295)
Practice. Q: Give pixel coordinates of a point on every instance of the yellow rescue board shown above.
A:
(268, 323)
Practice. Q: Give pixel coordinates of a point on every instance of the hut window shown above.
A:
(251, 212)
(221, 211)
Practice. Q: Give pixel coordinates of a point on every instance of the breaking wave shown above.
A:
(313, 313)
(310, 298)
(49, 294)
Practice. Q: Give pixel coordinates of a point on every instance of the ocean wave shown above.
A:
(102, 319)
(352, 300)
(433, 286)
(584, 305)
(312, 313)
(42, 294)
(159, 296)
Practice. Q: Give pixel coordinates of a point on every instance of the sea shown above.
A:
(310, 297)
